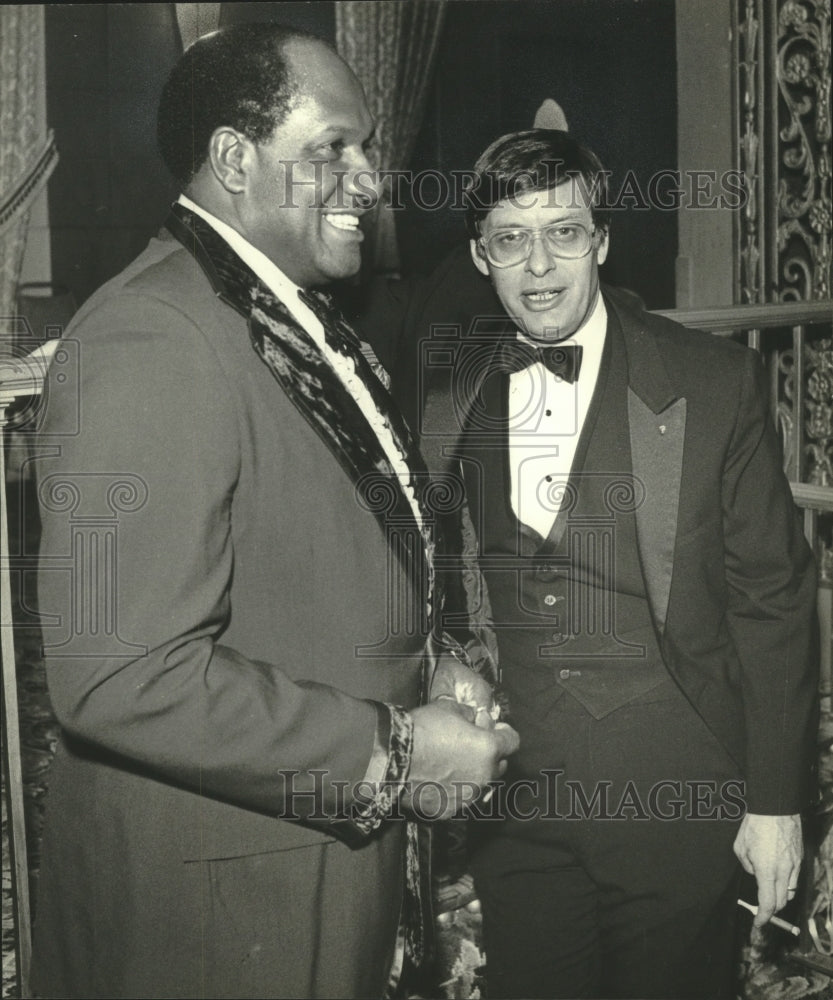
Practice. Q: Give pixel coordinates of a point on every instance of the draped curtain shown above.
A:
(391, 45)
(27, 155)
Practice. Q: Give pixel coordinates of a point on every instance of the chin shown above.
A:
(336, 270)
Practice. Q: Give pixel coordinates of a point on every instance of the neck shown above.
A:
(219, 203)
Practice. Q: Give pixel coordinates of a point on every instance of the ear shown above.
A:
(603, 247)
(229, 155)
(478, 257)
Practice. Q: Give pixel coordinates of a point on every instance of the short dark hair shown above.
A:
(237, 76)
(535, 160)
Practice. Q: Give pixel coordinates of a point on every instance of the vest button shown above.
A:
(551, 599)
(558, 637)
(546, 572)
(564, 674)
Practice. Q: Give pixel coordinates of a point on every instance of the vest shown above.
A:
(571, 611)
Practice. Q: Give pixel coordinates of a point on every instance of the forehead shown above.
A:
(328, 93)
(534, 208)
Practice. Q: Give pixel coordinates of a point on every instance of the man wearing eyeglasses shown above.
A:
(650, 589)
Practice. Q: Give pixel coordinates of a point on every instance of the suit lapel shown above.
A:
(306, 377)
(657, 419)
(455, 375)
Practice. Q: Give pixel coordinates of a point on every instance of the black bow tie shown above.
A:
(561, 359)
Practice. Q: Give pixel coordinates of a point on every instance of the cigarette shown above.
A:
(775, 921)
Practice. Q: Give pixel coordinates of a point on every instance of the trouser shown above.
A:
(613, 874)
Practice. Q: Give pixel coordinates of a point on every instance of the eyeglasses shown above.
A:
(507, 247)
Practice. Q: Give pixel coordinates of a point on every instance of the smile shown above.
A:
(542, 299)
(346, 223)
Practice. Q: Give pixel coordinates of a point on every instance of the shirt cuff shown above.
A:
(387, 770)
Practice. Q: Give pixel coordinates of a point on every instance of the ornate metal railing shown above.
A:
(782, 67)
(795, 340)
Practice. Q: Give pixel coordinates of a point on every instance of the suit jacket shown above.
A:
(729, 576)
(249, 633)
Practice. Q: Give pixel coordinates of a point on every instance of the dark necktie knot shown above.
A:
(563, 360)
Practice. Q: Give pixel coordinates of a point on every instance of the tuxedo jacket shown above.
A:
(252, 632)
(729, 577)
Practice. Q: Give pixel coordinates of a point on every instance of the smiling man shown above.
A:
(651, 591)
(222, 816)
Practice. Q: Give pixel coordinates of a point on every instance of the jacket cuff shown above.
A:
(388, 769)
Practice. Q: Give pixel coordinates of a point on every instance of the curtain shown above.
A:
(391, 46)
(27, 155)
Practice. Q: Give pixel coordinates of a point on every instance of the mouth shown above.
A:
(542, 298)
(344, 222)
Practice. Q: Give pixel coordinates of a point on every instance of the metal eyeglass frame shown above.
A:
(483, 242)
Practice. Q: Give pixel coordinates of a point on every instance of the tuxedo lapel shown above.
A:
(455, 375)
(308, 379)
(657, 419)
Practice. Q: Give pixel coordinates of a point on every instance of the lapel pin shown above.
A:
(662, 428)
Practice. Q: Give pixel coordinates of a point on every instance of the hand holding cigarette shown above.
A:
(775, 921)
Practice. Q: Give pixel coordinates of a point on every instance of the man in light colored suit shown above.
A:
(237, 659)
(651, 591)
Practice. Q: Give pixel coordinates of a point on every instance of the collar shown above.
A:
(269, 273)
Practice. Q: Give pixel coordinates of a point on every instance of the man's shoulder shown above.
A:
(687, 348)
(164, 276)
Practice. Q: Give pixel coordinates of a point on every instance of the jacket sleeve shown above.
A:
(771, 609)
(140, 670)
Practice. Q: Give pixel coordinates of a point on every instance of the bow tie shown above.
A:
(561, 359)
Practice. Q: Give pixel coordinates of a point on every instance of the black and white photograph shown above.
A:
(416, 522)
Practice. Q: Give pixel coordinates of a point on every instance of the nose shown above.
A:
(361, 181)
(540, 260)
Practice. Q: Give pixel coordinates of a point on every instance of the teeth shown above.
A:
(541, 296)
(345, 222)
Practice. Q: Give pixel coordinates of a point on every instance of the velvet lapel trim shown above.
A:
(310, 382)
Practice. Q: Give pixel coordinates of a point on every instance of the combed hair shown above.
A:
(237, 77)
(537, 159)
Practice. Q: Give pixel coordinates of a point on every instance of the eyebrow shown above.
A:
(570, 216)
(328, 131)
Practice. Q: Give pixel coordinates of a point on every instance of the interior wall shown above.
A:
(705, 128)
(106, 64)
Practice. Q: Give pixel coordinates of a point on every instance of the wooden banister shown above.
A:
(728, 320)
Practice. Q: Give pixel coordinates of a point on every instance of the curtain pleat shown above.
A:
(391, 46)
(22, 144)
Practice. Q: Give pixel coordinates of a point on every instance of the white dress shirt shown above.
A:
(546, 417)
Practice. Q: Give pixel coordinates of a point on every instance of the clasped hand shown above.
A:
(458, 745)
